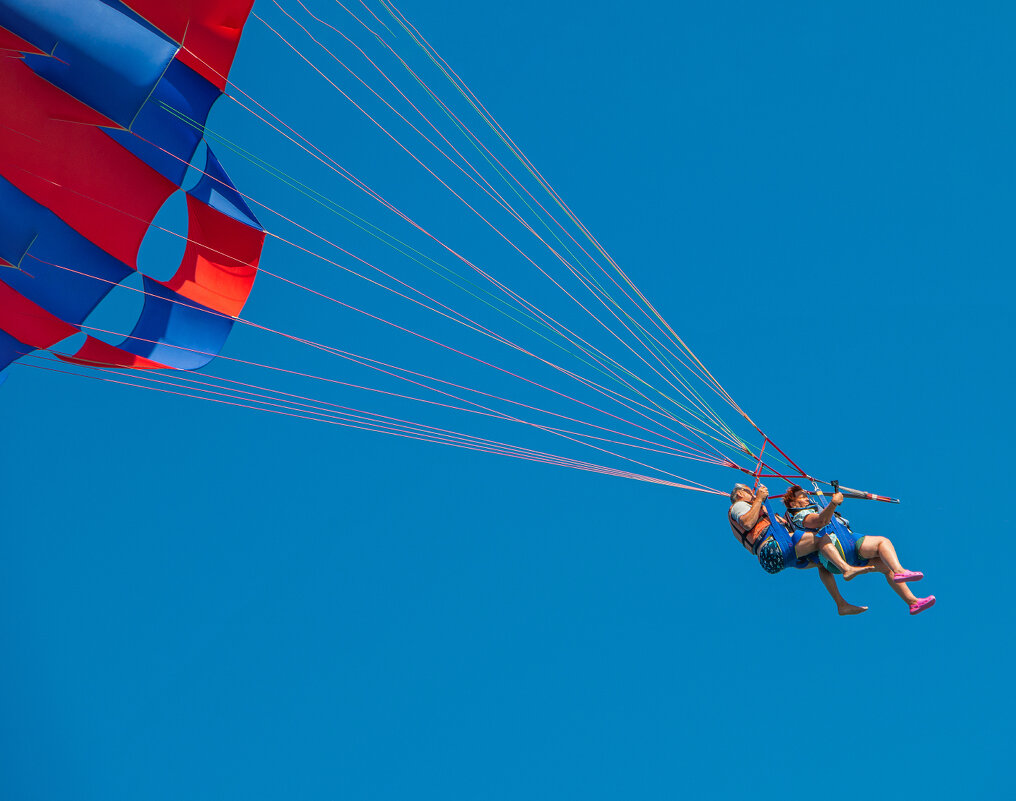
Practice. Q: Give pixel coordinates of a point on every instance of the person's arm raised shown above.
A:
(821, 520)
(750, 518)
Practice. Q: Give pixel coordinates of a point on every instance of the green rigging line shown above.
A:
(384, 237)
(709, 412)
(577, 262)
(440, 67)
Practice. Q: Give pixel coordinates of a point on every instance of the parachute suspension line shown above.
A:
(758, 467)
(469, 322)
(471, 138)
(555, 282)
(592, 385)
(790, 461)
(363, 362)
(269, 273)
(456, 81)
(616, 378)
(682, 450)
(414, 157)
(587, 311)
(758, 474)
(478, 145)
(487, 118)
(386, 238)
(468, 356)
(313, 291)
(319, 411)
(489, 190)
(394, 430)
(514, 246)
(599, 366)
(467, 134)
(507, 372)
(289, 401)
(484, 114)
(602, 368)
(369, 11)
(584, 349)
(713, 435)
(491, 160)
(484, 411)
(522, 310)
(481, 410)
(493, 414)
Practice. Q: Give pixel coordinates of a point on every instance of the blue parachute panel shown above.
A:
(97, 44)
(66, 293)
(10, 350)
(218, 191)
(177, 131)
(18, 226)
(196, 332)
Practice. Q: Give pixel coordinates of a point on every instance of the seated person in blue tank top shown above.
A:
(876, 552)
(766, 535)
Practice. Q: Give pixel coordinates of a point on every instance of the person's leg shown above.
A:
(882, 548)
(829, 582)
(901, 590)
(809, 543)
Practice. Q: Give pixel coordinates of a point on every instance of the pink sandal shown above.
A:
(921, 604)
(908, 575)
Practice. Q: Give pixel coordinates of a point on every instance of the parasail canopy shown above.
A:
(103, 107)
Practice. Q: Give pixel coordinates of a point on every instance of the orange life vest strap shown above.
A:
(756, 535)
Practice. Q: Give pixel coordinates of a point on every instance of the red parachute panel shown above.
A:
(28, 322)
(97, 187)
(220, 263)
(208, 30)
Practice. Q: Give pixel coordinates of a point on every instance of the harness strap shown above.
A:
(753, 538)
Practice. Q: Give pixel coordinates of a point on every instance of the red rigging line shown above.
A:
(592, 385)
(395, 429)
(93, 355)
(542, 314)
(131, 125)
(99, 354)
(490, 191)
(568, 233)
(494, 228)
(555, 325)
(758, 468)
(476, 141)
(488, 118)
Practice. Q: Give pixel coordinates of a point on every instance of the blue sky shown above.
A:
(200, 601)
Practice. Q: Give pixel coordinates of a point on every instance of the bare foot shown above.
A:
(854, 572)
(850, 609)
